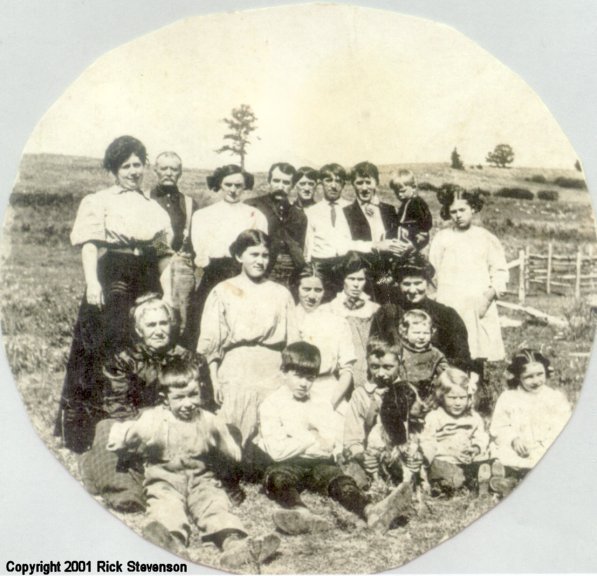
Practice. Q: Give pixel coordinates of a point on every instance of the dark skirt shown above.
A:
(218, 270)
(97, 335)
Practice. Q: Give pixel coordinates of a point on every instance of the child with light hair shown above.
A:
(177, 439)
(422, 362)
(454, 440)
(414, 217)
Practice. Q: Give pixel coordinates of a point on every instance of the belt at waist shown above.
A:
(136, 251)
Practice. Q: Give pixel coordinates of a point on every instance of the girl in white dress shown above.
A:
(527, 418)
(247, 321)
(471, 274)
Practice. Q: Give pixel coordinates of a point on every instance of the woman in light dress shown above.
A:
(247, 321)
(215, 227)
(354, 304)
(331, 334)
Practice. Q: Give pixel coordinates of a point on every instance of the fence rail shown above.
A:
(566, 274)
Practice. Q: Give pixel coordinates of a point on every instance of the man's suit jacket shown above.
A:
(287, 231)
(359, 225)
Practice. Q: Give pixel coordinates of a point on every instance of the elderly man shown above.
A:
(286, 224)
(180, 208)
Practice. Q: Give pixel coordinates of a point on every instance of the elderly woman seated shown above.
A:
(130, 384)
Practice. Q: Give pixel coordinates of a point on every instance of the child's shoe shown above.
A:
(483, 478)
(399, 503)
(498, 470)
(249, 551)
(502, 486)
(299, 521)
(158, 534)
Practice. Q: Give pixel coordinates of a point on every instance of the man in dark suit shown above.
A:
(371, 220)
(287, 224)
(180, 208)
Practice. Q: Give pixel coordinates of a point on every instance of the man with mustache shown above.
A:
(180, 208)
(287, 224)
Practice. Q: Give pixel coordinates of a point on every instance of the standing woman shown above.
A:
(357, 307)
(216, 227)
(125, 244)
(247, 321)
(472, 273)
(330, 333)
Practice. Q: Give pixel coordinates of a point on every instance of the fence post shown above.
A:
(527, 269)
(578, 271)
(549, 257)
(521, 276)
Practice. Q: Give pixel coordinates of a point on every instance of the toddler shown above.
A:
(454, 440)
(176, 440)
(414, 216)
(527, 418)
(422, 362)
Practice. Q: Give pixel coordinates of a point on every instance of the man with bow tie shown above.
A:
(180, 208)
(371, 220)
(287, 224)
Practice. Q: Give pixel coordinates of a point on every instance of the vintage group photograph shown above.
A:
(299, 290)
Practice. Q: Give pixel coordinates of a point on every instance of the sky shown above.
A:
(327, 83)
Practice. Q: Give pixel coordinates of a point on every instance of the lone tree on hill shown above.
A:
(241, 124)
(578, 166)
(456, 160)
(501, 156)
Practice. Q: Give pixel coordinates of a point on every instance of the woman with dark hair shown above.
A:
(247, 321)
(215, 227)
(331, 334)
(354, 304)
(414, 279)
(125, 244)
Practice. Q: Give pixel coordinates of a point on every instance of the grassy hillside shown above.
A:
(42, 283)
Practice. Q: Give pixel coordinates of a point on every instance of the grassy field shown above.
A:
(42, 283)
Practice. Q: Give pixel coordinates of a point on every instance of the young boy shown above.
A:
(383, 370)
(297, 434)
(422, 362)
(366, 444)
(176, 440)
(414, 216)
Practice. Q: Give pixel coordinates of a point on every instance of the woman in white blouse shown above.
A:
(319, 326)
(125, 244)
(215, 227)
(247, 321)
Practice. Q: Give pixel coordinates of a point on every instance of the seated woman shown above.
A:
(414, 279)
(331, 334)
(130, 384)
(358, 309)
(247, 321)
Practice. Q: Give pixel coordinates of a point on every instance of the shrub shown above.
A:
(518, 193)
(537, 178)
(576, 183)
(428, 186)
(482, 192)
(479, 166)
(550, 195)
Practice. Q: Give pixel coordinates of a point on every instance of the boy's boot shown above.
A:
(299, 520)
(399, 503)
(158, 534)
(240, 550)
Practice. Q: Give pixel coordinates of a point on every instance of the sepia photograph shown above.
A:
(302, 289)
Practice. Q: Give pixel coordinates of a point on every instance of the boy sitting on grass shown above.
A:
(176, 440)
(298, 436)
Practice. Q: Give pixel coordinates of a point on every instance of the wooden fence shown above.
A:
(570, 274)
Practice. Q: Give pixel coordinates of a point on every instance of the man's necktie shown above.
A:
(333, 213)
